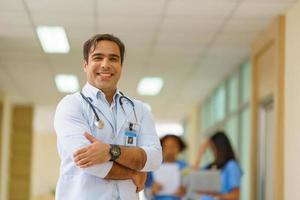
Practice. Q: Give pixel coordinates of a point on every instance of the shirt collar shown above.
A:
(96, 93)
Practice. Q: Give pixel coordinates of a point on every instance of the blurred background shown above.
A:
(218, 64)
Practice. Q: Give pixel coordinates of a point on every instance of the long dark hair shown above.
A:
(224, 151)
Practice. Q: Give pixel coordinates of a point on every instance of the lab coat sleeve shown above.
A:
(70, 125)
(149, 141)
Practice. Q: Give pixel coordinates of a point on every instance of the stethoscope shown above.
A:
(99, 123)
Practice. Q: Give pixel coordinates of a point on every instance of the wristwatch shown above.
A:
(115, 152)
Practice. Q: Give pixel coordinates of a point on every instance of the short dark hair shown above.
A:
(181, 143)
(91, 43)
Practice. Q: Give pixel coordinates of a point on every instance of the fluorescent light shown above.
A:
(150, 86)
(53, 39)
(66, 83)
(169, 128)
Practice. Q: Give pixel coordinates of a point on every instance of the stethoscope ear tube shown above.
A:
(120, 102)
(94, 111)
(130, 101)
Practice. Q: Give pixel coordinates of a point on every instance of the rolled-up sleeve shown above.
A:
(70, 125)
(149, 142)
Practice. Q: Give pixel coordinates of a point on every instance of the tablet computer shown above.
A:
(204, 180)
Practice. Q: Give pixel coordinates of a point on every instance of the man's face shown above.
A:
(103, 68)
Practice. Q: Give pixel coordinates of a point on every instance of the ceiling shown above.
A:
(192, 44)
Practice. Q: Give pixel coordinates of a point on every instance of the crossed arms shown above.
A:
(127, 166)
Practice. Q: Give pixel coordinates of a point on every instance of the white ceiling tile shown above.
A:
(271, 1)
(23, 43)
(177, 50)
(13, 33)
(9, 5)
(259, 10)
(235, 39)
(132, 7)
(179, 39)
(127, 23)
(188, 24)
(13, 19)
(242, 25)
(66, 20)
(205, 9)
(76, 7)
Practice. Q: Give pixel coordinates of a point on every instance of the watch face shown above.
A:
(115, 151)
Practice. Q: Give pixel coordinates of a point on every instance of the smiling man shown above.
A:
(106, 141)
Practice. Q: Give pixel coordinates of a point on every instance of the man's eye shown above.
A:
(114, 59)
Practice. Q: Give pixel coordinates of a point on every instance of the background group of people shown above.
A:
(224, 160)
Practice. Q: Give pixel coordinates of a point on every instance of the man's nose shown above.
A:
(105, 63)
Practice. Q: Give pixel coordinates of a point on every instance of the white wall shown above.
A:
(45, 166)
(292, 105)
(45, 160)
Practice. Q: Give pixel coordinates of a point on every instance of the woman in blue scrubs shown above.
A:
(226, 162)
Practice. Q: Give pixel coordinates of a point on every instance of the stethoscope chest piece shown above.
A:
(99, 124)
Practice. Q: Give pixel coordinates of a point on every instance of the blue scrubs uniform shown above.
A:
(230, 178)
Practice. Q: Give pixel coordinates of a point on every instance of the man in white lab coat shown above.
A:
(106, 141)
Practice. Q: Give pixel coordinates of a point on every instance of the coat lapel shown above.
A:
(124, 118)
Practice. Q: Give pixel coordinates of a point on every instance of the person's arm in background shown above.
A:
(233, 195)
(203, 147)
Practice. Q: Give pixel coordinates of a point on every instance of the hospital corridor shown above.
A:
(207, 90)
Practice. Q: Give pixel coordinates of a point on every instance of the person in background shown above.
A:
(166, 182)
(225, 161)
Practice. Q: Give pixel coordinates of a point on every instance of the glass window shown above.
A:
(231, 128)
(246, 82)
(219, 104)
(206, 115)
(245, 141)
(233, 94)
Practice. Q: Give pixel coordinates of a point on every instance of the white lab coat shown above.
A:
(73, 117)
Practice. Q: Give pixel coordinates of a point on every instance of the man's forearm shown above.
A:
(132, 157)
(119, 172)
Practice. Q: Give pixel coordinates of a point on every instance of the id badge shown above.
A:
(130, 138)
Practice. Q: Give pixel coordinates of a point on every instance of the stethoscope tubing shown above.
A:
(120, 102)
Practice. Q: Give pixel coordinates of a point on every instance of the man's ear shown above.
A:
(84, 65)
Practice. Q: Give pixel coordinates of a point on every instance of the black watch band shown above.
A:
(115, 152)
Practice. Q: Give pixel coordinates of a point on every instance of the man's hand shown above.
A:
(139, 180)
(96, 153)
